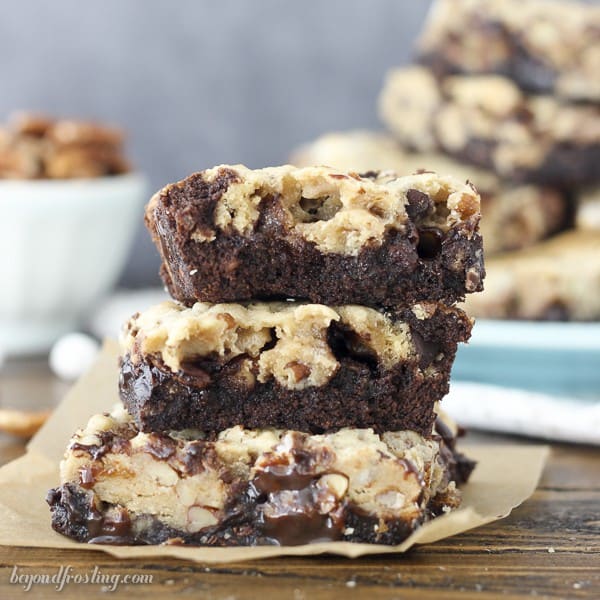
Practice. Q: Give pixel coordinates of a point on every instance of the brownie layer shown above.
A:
(296, 366)
(245, 487)
(232, 234)
(513, 216)
(557, 280)
(546, 47)
(489, 122)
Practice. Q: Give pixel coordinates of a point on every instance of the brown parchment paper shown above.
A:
(503, 479)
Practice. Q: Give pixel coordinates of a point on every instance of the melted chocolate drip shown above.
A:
(281, 477)
(459, 466)
(445, 433)
(109, 442)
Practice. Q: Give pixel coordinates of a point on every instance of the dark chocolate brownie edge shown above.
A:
(234, 268)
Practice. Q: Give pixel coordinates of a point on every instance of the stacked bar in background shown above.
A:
(288, 395)
(506, 93)
(544, 46)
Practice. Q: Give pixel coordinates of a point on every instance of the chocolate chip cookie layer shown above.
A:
(306, 367)
(317, 234)
(252, 487)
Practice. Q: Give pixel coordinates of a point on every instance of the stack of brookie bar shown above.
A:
(288, 393)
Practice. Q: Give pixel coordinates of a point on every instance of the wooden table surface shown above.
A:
(547, 548)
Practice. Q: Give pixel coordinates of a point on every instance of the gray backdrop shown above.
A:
(202, 82)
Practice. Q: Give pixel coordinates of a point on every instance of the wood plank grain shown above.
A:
(430, 574)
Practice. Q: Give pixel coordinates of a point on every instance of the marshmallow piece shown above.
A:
(72, 355)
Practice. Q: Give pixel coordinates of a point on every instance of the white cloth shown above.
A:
(522, 412)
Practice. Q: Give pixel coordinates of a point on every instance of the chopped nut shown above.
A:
(228, 319)
(335, 483)
(300, 370)
(468, 205)
(199, 517)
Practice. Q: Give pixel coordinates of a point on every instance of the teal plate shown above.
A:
(555, 358)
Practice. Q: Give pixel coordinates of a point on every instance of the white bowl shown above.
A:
(63, 244)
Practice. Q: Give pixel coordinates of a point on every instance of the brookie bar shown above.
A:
(489, 122)
(305, 367)
(252, 487)
(318, 234)
(545, 46)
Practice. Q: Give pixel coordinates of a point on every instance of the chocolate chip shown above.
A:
(427, 350)
(276, 477)
(116, 523)
(87, 476)
(194, 373)
(346, 343)
(419, 204)
(430, 243)
(272, 341)
(369, 175)
(161, 447)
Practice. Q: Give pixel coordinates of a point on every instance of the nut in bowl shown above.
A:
(54, 263)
